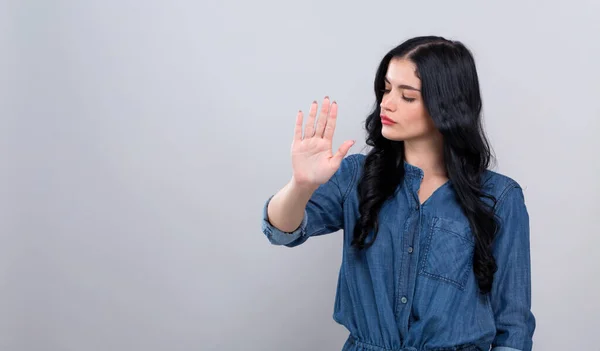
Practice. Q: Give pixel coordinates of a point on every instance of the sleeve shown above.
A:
(511, 290)
(323, 213)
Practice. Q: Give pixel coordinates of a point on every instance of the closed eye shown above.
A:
(408, 99)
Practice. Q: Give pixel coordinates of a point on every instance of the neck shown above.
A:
(427, 154)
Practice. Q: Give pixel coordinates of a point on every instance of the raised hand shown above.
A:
(313, 161)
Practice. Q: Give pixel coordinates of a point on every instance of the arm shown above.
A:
(511, 291)
(294, 213)
(285, 210)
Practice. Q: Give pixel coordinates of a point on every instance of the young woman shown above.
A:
(436, 246)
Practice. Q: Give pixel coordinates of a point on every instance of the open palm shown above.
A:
(313, 161)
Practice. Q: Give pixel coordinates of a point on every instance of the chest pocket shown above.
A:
(448, 254)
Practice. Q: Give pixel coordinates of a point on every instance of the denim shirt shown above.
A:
(415, 289)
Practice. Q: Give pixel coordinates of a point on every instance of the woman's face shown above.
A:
(403, 113)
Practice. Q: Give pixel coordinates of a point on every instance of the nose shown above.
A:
(386, 103)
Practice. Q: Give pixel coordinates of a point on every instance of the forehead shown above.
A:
(402, 71)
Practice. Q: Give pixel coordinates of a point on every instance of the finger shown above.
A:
(331, 120)
(322, 118)
(309, 130)
(298, 127)
(342, 151)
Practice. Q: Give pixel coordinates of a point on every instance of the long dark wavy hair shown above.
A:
(451, 95)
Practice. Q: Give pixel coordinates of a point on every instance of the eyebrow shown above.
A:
(403, 86)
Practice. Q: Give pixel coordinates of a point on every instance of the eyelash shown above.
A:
(385, 91)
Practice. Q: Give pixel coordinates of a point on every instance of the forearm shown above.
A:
(286, 208)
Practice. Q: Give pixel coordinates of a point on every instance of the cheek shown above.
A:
(414, 116)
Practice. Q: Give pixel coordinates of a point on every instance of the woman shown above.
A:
(436, 246)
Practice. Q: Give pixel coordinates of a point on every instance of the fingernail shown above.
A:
(327, 97)
(335, 102)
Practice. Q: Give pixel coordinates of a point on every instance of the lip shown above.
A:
(386, 120)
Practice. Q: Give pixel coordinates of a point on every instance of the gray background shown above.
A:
(139, 141)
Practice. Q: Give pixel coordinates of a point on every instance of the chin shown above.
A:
(392, 134)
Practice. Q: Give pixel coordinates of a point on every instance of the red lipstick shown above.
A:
(386, 120)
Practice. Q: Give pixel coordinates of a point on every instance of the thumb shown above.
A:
(342, 151)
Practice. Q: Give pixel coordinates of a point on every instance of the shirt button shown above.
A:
(404, 299)
(417, 207)
(410, 250)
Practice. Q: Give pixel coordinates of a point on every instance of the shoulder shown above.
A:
(358, 159)
(510, 209)
(498, 184)
(507, 192)
(348, 173)
(351, 166)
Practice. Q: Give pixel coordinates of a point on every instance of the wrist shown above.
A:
(303, 187)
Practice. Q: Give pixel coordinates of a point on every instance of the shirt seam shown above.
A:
(352, 179)
(504, 193)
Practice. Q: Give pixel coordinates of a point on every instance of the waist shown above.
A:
(353, 344)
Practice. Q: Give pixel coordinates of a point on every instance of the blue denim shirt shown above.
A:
(415, 289)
